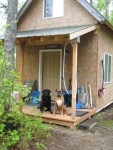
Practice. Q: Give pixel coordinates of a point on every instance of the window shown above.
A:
(53, 8)
(107, 68)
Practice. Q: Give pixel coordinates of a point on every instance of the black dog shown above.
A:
(46, 101)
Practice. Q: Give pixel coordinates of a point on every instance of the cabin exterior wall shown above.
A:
(74, 15)
(105, 45)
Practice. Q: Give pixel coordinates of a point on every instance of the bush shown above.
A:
(26, 128)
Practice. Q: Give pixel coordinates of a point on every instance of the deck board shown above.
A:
(58, 118)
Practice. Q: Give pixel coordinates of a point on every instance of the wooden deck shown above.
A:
(57, 118)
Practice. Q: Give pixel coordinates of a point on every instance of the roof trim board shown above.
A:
(24, 8)
(91, 10)
(82, 32)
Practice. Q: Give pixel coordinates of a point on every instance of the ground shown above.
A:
(99, 137)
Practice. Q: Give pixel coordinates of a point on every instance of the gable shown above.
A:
(74, 15)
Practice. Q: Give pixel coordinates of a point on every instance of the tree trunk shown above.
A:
(10, 33)
(9, 44)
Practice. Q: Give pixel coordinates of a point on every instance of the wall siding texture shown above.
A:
(87, 63)
(74, 14)
(105, 45)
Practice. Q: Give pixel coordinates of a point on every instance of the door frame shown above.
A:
(40, 67)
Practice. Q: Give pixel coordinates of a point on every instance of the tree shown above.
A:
(107, 8)
(111, 17)
(3, 11)
(10, 33)
(103, 7)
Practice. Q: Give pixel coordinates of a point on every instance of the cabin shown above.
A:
(59, 40)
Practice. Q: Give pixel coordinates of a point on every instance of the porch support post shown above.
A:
(21, 59)
(74, 79)
(21, 62)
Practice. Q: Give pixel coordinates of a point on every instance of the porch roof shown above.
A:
(73, 31)
(52, 31)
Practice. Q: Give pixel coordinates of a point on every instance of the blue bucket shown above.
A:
(78, 105)
(35, 97)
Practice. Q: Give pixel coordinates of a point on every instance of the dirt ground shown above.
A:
(99, 137)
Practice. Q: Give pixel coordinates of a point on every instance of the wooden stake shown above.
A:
(74, 80)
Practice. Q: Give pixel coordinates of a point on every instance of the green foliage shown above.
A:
(101, 4)
(98, 115)
(26, 128)
(103, 7)
(21, 4)
(111, 17)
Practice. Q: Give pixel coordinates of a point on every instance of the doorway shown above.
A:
(50, 62)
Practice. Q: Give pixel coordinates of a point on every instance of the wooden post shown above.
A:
(21, 64)
(21, 58)
(74, 79)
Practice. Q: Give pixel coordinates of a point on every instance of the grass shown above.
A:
(97, 116)
(108, 123)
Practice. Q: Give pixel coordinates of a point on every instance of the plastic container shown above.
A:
(82, 89)
(78, 105)
(35, 97)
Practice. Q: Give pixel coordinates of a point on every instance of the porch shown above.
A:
(26, 40)
(65, 120)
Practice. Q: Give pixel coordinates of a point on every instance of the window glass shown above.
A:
(53, 8)
(107, 68)
(48, 8)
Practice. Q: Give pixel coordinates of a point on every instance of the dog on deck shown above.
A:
(59, 106)
(46, 101)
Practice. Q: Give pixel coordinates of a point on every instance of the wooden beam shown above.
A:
(21, 60)
(82, 32)
(89, 114)
(96, 31)
(77, 40)
(42, 39)
(74, 79)
(47, 42)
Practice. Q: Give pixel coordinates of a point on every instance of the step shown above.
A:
(88, 124)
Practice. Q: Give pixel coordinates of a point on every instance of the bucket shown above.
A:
(78, 105)
(35, 97)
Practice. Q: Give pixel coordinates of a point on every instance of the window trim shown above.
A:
(107, 72)
(52, 17)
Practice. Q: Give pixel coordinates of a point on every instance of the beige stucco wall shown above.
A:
(68, 65)
(30, 66)
(74, 14)
(87, 63)
(105, 45)
(31, 63)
